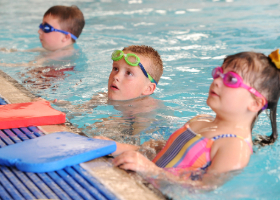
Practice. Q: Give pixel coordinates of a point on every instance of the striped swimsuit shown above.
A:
(186, 149)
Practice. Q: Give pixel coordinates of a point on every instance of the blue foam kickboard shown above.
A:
(54, 151)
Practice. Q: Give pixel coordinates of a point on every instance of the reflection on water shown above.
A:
(131, 118)
(182, 189)
(40, 78)
(192, 37)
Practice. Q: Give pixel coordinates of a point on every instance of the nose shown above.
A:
(117, 76)
(40, 31)
(218, 81)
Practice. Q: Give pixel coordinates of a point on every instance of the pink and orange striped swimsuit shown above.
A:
(186, 149)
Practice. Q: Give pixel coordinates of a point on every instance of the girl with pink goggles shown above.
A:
(233, 80)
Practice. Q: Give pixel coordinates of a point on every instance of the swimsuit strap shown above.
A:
(232, 135)
(225, 136)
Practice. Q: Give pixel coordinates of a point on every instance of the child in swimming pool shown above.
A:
(59, 30)
(136, 70)
(245, 85)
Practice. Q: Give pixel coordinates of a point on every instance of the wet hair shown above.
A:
(261, 73)
(156, 67)
(70, 18)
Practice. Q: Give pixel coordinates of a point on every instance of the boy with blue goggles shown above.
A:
(70, 18)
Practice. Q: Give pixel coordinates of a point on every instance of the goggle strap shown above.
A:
(66, 33)
(143, 70)
(73, 36)
(265, 106)
(146, 74)
(151, 79)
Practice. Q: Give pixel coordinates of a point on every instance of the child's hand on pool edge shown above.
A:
(135, 161)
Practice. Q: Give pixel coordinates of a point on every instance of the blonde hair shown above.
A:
(156, 68)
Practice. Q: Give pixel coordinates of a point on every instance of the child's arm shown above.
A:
(145, 148)
(121, 147)
(132, 160)
(8, 50)
(229, 154)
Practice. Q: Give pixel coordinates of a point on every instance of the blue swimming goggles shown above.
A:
(132, 60)
(48, 28)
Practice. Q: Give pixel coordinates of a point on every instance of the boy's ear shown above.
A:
(67, 37)
(257, 104)
(150, 88)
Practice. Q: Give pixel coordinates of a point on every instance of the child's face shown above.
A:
(127, 82)
(226, 99)
(54, 40)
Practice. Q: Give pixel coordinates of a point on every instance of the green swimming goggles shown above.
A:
(132, 60)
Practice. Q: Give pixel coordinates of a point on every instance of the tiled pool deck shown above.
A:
(96, 179)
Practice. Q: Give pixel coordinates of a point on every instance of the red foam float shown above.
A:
(37, 113)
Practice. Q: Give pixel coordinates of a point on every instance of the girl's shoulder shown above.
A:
(199, 122)
(200, 118)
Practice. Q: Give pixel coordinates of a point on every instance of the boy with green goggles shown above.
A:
(132, 60)
(126, 80)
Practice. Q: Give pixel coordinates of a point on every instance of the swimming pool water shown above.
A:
(192, 38)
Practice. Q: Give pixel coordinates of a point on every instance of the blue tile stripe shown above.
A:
(94, 182)
(64, 186)
(54, 191)
(5, 139)
(16, 182)
(4, 193)
(28, 184)
(90, 189)
(19, 134)
(9, 187)
(69, 183)
(11, 135)
(72, 183)
(40, 184)
(31, 132)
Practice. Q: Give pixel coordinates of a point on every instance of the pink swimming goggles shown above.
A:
(233, 80)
